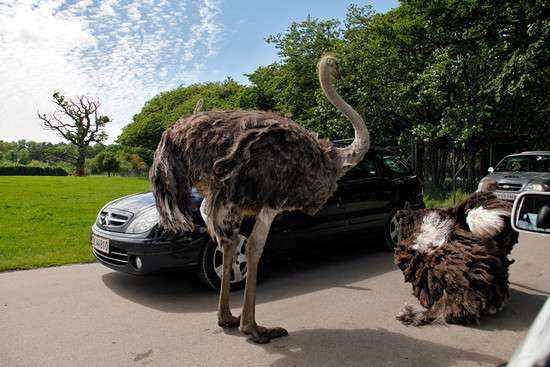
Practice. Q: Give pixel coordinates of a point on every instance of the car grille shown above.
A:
(111, 219)
(116, 256)
(509, 187)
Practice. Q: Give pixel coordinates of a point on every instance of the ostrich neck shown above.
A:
(353, 153)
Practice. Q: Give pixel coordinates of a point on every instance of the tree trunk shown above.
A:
(438, 160)
(419, 158)
(79, 171)
(433, 166)
(484, 161)
(471, 174)
(443, 158)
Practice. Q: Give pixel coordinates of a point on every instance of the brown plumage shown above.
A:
(249, 163)
(251, 159)
(456, 260)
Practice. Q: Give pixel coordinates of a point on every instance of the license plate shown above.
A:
(506, 196)
(100, 244)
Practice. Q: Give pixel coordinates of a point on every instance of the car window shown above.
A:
(364, 169)
(395, 163)
(524, 163)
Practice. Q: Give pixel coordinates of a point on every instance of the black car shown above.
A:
(126, 236)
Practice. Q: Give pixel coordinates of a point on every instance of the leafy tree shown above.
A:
(107, 162)
(165, 109)
(23, 156)
(78, 122)
(61, 152)
(131, 163)
(292, 86)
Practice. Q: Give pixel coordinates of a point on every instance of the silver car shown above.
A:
(527, 171)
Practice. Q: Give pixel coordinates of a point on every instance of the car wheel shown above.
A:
(392, 231)
(211, 265)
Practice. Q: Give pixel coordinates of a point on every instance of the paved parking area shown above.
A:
(338, 306)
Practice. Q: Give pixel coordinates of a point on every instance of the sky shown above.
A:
(125, 52)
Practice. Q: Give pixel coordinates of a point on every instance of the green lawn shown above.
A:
(46, 221)
(444, 201)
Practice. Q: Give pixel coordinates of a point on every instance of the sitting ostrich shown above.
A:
(249, 163)
(456, 259)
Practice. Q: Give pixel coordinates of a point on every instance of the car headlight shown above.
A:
(145, 221)
(536, 187)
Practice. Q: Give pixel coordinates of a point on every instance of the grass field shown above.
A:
(444, 201)
(46, 221)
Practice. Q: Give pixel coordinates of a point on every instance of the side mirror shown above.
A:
(531, 213)
(490, 170)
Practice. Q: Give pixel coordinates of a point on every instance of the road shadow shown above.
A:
(323, 267)
(367, 347)
(518, 313)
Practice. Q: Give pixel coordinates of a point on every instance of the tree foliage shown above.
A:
(165, 109)
(446, 73)
(106, 162)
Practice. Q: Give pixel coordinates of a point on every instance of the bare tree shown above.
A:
(79, 123)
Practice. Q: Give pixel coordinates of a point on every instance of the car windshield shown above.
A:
(525, 163)
(395, 163)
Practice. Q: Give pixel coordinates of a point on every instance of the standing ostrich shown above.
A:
(249, 163)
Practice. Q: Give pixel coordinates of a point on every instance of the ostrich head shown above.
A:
(330, 63)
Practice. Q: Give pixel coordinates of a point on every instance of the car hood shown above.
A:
(520, 177)
(136, 203)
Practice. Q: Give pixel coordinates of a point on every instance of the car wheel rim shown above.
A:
(394, 229)
(238, 265)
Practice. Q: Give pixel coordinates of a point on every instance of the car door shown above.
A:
(366, 195)
(330, 218)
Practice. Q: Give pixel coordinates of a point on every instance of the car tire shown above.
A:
(211, 265)
(391, 231)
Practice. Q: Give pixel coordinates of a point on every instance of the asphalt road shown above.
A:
(338, 306)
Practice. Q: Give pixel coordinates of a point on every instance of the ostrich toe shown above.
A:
(229, 321)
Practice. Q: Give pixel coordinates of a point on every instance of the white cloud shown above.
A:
(124, 53)
(208, 11)
(106, 8)
(133, 12)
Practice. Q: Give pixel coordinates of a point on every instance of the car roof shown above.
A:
(532, 152)
(344, 142)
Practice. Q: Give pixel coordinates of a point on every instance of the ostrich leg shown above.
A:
(254, 249)
(225, 318)
(228, 241)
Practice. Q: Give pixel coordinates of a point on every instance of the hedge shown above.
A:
(19, 170)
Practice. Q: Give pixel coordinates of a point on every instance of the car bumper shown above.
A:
(136, 255)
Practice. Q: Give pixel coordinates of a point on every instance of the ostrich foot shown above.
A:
(262, 335)
(229, 321)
